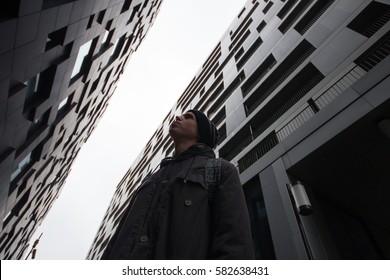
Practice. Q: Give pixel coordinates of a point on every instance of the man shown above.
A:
(172, 217)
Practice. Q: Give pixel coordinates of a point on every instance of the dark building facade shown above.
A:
(300, 93)
(60, 62)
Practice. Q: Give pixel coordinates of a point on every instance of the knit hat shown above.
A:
(208, 133)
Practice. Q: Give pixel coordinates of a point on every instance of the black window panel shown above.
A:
(55, 38)
(280, 74)
(379, 51)
(312, 15)
(126, 6)
(294, 15)
(371, 19)
(266, 9)
(9, 9)
(261, 233)
(286, 8)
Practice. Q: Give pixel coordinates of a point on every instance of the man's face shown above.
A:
(184, 127)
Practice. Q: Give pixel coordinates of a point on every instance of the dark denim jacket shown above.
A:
(170, 217)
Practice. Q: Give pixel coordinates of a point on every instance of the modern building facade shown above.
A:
(60, 63)
(299, 91)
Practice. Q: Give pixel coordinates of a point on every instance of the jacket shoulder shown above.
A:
(228, 170)
(227, 165)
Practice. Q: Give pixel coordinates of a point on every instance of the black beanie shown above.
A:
(208, 133)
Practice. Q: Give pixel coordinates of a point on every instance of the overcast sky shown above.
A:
(182, 37)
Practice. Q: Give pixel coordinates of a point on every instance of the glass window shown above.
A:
(105, 37)
(32, 85)
(38, 88)
(23, 163)
(117, 48)
(261, 233)
(6, 216)
(114, 47)
(39, 123)
(55, 38)
(83, 52)
(63, 103)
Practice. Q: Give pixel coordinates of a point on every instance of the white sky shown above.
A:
(182, 37)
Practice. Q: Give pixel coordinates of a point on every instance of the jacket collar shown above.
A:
(194, 150)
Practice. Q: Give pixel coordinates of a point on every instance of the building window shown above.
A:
(286, 8)
(236, 143)
(38, 123)
(239, 40)
(371, 19)
(261, 232)
(312, 15)
(133, 13)
(81, 58)
(100, 16)
(106, 40)
(294, 15)
(90, 21)
(126, 6)
(9, 10)
(117, 48)
(242, 11)
(220, 116)
(63, 103)
(5, 220)
(55, 38)
(21, 166)
(127, 46)
(32, 85)
(222, 134)
(375, 54)
(255, 46)
(258, 151)
(289, 95)
(105, 37)
(261, 26)
(21, 204)
(227, 92)
(277, 77)
(26, 162)
(258, 74)
(38, 88)
(266, 9)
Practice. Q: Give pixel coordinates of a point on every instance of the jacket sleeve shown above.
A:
(232, 237)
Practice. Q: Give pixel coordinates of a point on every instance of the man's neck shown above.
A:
(182, 147)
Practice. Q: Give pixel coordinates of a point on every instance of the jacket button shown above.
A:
(144, 238)
(188, 202)
(164, 182)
